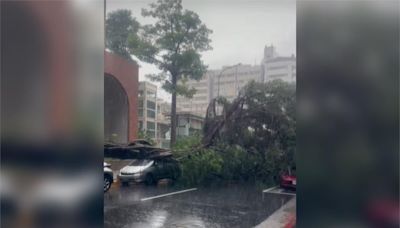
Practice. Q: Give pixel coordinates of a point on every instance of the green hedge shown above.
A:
(226, 163)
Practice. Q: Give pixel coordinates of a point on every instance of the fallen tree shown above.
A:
(138, 149)
(252, 138)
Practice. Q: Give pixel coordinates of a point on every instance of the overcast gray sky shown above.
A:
(241, 29)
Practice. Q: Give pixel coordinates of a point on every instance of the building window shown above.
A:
(140, 112)
(151, 105)
(151, 94)
(151, 113)
(200, 98)
(151, 125)
(276, 67)
(277, 75)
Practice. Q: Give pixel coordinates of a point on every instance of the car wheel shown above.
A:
(150, 179)
(107, 182)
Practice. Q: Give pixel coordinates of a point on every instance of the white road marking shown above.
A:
(283, 193)
(270, 189)
(168, 194)
(279, 191)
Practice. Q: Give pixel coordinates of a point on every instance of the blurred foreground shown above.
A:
(51, 113)
(348, 113)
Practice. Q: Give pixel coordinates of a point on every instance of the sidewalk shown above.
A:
(284, 217)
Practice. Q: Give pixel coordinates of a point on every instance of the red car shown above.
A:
(288, 181)
(383, 212)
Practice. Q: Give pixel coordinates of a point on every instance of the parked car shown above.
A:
(289, 180)
(383, 212)
(108, 176)
(149, 171)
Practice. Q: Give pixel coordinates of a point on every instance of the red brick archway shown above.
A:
(127, 74)
(58, 54)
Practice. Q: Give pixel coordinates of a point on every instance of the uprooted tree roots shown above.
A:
(215, 121)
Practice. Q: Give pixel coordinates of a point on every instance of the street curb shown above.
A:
(284, 217)
(291, 221)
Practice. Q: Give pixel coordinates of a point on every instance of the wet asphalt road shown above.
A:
(235, 206)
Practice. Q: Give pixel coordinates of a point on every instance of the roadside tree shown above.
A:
(120, 25)
(173, 43)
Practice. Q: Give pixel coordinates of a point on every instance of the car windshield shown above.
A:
(140, 162)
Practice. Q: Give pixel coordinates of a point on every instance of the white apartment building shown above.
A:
(163, 123)
(199, 102)
(277, 67)
(228, 81)
(147, 110)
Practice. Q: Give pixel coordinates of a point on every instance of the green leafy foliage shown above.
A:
(120, 25)
(146, 136)
(199, 166)
(267, 121)
(173, 43)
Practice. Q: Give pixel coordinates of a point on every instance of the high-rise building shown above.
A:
(163, 123)
(199, 102)
(228, 81)
(147, 110)
(152, 113)
(277, 67)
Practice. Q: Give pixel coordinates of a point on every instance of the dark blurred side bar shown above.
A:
(348, 109)
(51, 113)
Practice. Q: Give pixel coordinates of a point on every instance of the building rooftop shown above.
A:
(147, 84)
(279, 59)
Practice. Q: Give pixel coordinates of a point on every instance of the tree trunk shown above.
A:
(173, 113)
